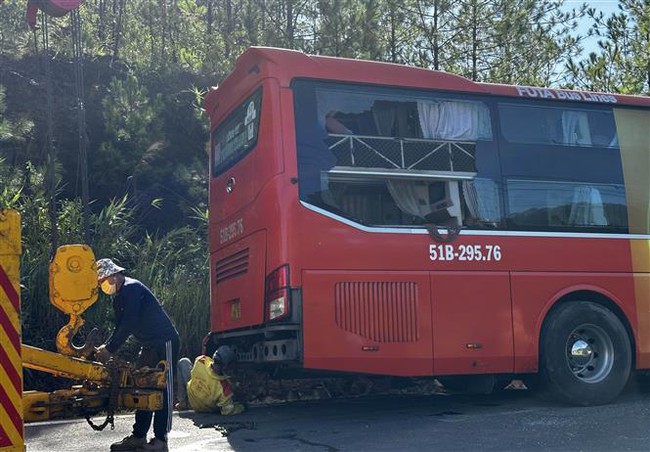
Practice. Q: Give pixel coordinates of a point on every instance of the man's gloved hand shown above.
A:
(102, 354)
(232, 408)
(239, 408)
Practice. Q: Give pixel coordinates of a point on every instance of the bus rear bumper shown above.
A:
(260, 346)
(271, 351)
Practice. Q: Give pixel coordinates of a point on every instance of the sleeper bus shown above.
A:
(379, 219)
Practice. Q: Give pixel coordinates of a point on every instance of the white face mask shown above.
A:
(108, 287)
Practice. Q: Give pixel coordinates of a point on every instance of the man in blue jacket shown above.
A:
(139, 314)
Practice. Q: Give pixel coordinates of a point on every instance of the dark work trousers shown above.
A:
(150, 356)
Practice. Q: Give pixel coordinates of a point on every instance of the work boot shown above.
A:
(155, 444)
(182, 406)
(129, 443)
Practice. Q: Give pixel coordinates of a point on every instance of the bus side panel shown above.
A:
(368, 322)
(534, 293)
(642, 289)
(632, 127)
(472, 323)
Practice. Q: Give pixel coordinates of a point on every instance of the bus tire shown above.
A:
(585, 354)
(640, 382)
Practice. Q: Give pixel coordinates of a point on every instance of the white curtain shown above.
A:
(587, 207)
(575, 128)
(482, 199)
(429, 114)
(455, 120)
(411, 197)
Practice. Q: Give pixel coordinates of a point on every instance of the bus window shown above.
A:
(237, 134)
(562, 168)
(566, 206)
(534, 124)
(379, 114)
(482, 201)
(390, 157)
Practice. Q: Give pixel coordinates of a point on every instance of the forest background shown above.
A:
(122, 82)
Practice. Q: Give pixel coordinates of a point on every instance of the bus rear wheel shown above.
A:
(585, 354)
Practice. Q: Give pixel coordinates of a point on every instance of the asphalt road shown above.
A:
(512, 421)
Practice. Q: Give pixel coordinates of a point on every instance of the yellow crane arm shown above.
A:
(64, 366)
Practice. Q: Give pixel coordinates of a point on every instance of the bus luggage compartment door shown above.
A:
(472, 320)
(238, 283)
(368, 322)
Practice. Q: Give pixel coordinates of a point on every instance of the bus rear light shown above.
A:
(277, 298)
(278, 308)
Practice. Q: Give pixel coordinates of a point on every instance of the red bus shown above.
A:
(375, 218)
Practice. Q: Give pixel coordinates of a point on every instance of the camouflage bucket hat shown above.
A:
(106, 268)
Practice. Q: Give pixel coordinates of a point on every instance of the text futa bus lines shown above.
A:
(375, 218)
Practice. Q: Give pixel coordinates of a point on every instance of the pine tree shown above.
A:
(622, 62)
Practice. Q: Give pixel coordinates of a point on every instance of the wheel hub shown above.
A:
(590, 353)
(581, 353)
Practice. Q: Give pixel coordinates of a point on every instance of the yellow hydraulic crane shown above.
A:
(105, 387)
(102, 387)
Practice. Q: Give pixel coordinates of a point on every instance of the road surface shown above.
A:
(511, 421)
